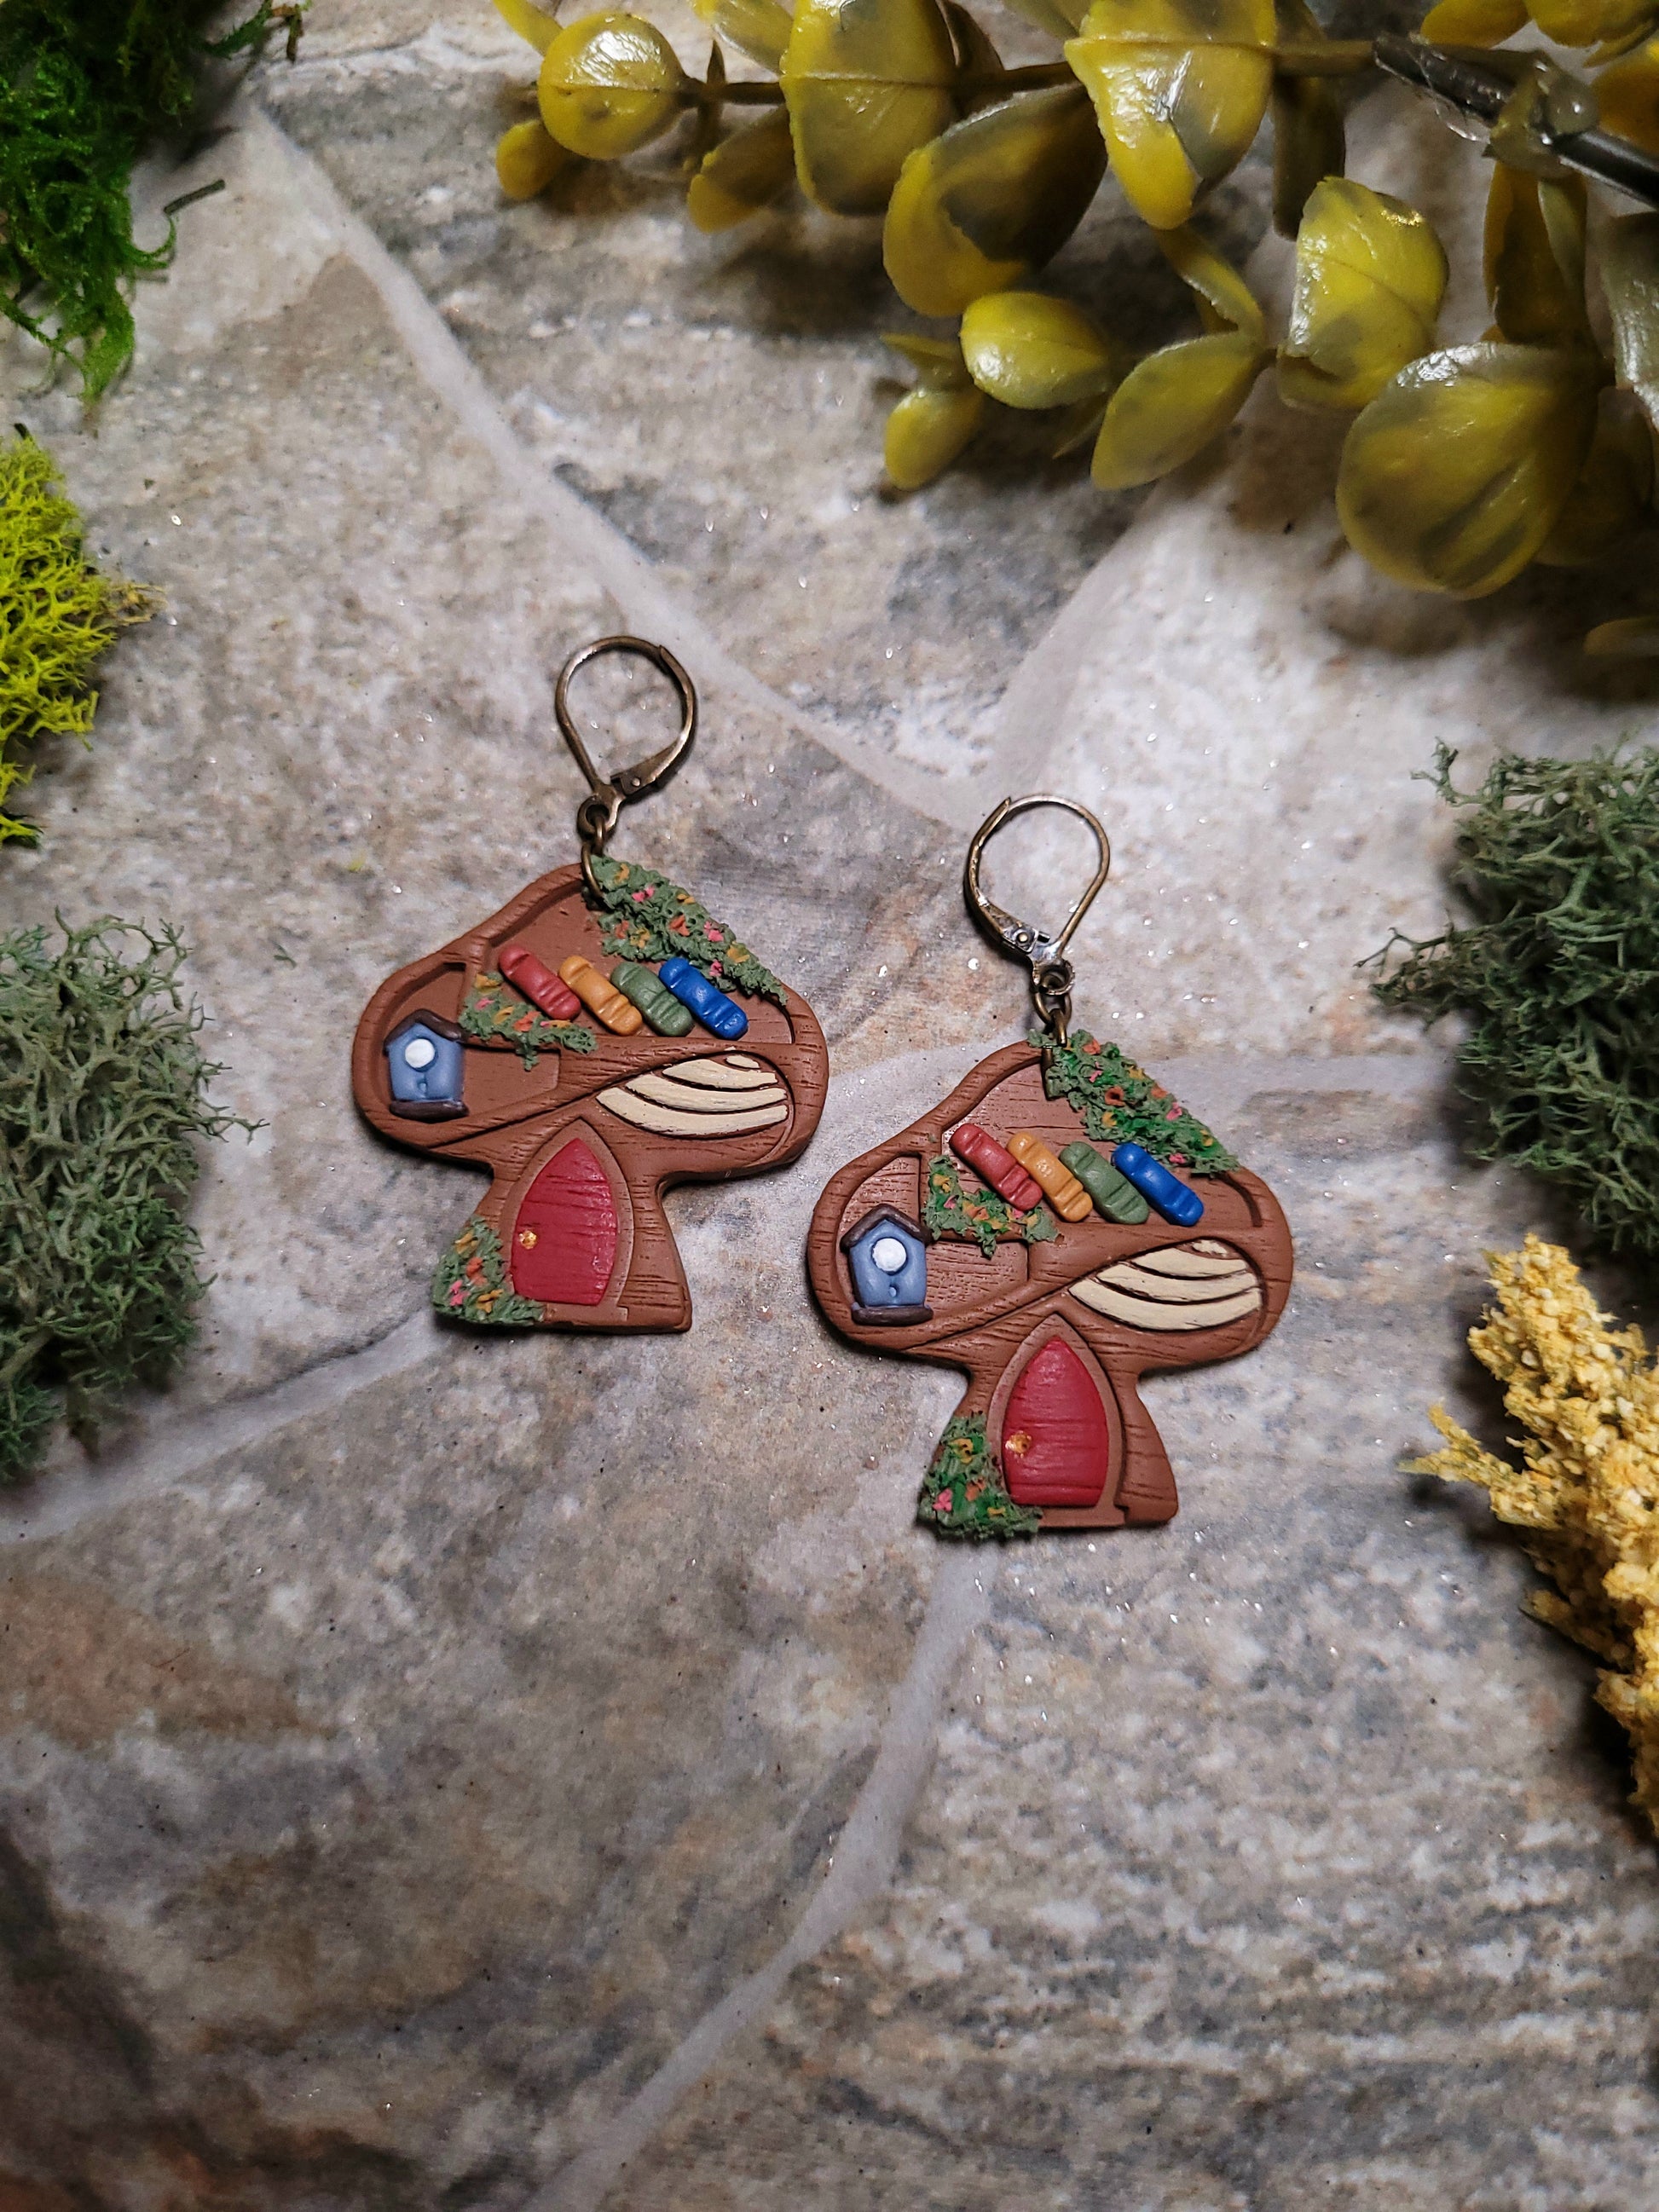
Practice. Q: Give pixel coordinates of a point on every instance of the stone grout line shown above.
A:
(162, 1461)
(1032, 712)
(180, 1450)
(867, 1848)
(866, 1853)
(645, 601)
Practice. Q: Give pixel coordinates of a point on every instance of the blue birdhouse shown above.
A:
(425, 1057)
(887, 1258)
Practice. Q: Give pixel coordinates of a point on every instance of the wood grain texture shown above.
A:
(991, 1317)
(518, 1119)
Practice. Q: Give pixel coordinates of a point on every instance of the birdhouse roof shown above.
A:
(879, 1217)
(424, 1019)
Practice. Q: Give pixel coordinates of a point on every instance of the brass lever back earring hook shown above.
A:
(1052, 973)
(595, 817)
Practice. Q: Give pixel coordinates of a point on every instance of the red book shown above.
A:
(539, 984)
(997, 1165)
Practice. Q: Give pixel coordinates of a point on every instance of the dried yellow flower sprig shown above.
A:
(1587, 1489)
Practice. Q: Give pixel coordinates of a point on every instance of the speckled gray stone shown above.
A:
(442, 1773)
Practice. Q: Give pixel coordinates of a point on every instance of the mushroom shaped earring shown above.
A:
(1056, 1227)
(598, 1039)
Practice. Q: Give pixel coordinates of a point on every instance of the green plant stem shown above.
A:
(1328, 58)
(1325, 57)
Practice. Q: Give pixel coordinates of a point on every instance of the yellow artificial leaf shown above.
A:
(1060, 18)
(527, 160)
(1472, 22)
(536, 24)
(1226, 300)
(1610, 499)
(1079, 425)
(1630, 278)
(1591, 22)
(1634, 634)
(867, 81)
(1170, 405)
(1370, 275)
(992, 199)
(1456, 474)
(976, 58)
(925, 431)
(1628, 97)
(759, 28)
(746, 173)
(937, 362)
(1535, 257)
(609, 83)
(1029, 351)
(1181, 87)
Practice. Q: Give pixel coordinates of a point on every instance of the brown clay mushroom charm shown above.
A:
(992, 1236)
(584, 1045)
(583, 1124)
(1053, 1320)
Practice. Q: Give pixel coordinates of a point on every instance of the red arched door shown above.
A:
(1056, 1443)
(564, 1240)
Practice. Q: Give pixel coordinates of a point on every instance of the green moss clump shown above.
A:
(102, 1099)
(1557, 974)
(85, 85)
(1120, 1104)
(56, 613)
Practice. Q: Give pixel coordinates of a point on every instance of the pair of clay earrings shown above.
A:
(1056, 1227)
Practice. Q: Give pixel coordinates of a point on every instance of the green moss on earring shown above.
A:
(648, 918)
(962, 1493)
(470, 1284)
(494, 1014)
(1120, 1104)
(978, 1216)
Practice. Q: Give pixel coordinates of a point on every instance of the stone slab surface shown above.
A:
(441, 1773)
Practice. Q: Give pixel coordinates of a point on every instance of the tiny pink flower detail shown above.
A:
(715, 935)
(457, 1294)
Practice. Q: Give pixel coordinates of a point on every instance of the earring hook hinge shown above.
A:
(1044, 953)
(597, 816)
